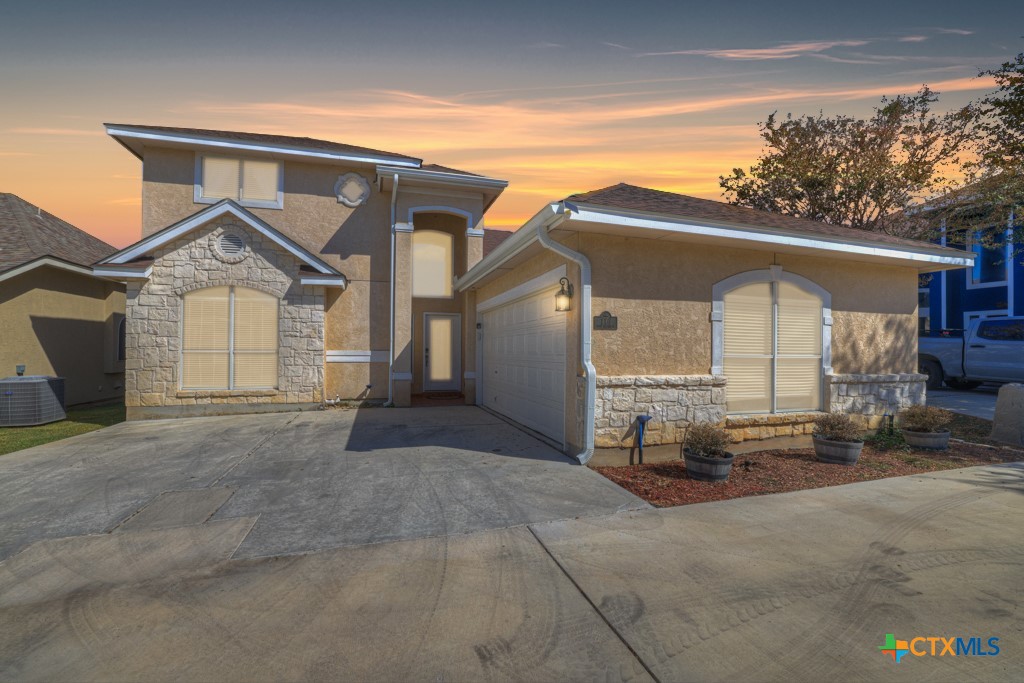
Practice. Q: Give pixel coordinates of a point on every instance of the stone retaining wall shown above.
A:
(153, 329)
(674, 401)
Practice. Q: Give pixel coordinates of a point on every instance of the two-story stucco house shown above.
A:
(279, 272)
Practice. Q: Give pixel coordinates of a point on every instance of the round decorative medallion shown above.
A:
(229, 246)
(352, 190)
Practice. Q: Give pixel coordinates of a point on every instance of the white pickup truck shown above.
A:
(991, 350)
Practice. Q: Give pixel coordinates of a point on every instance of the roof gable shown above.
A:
(222, 208)
(28, 233)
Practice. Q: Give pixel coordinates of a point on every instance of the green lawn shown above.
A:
(79, 421)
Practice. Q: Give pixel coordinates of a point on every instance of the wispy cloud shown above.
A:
(545, 45)
(54, 131)
(913, 39)
(616, 45)
(955, 31)
(783, 51)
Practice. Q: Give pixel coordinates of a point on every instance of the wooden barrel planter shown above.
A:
(938, 441)
(707, 469)
(837, 452)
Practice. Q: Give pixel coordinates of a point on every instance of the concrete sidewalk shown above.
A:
(798, 586)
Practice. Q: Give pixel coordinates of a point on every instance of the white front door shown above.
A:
(442, 351)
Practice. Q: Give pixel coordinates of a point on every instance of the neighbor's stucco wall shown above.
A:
(154, 311)
(661, 293)
(63, 324)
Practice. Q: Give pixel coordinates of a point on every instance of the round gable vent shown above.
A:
(229, 246)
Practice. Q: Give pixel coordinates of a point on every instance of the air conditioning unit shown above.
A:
(33, 400)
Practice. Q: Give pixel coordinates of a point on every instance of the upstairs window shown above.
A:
(432, 264)
(250, 182)
(229, 339)
(991, 257)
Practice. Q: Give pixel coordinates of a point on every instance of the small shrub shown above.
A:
(887, 440)
(837, 427)
(924, 419)
(707, 440)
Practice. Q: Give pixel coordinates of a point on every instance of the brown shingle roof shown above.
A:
(447, 169)
(631, 197)
(493, 238)
(308, 143)
(27, 233)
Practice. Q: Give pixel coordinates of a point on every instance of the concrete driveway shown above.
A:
(801, 586)
(980, 402)
(314, 480)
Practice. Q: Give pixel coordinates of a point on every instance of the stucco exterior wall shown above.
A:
(154, 308)
(63, 324)
(661, 293)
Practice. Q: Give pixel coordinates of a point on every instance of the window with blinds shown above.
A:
(229, 339)
(772, 348)
(248, 181)
(432, 263)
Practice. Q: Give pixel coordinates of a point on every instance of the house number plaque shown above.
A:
(606, 321)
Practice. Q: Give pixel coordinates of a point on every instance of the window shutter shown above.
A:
(256, 333)
(259, 180)
(205, 349)
(221, 178)
(798, 369)
(748, 348)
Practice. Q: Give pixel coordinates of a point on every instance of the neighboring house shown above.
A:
(56, 316)
(280, 273)
(992, 288)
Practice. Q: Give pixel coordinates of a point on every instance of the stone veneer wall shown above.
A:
(674, 401)
(678, 401)
(872, 396)
(153, 330)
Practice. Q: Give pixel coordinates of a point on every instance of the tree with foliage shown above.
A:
(866, 173)
(992, 191)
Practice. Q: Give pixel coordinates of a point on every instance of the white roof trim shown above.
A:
(323, 281)
(442, 177)
(225, 206)
(305, 152)
(768, 236)
(45, 261)
(123, 273)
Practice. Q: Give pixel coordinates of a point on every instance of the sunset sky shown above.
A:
(556, 97)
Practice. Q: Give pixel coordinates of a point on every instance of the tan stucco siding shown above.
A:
(661, 293)
(63, 324)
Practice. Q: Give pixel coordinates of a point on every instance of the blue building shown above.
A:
(994, 288)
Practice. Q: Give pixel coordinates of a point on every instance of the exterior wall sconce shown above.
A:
(563, 299)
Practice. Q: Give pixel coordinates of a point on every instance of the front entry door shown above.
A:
(442, 352)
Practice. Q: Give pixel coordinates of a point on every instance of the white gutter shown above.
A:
(391, 338)
(585, 331)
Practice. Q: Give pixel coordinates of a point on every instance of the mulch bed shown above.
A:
(665, 484)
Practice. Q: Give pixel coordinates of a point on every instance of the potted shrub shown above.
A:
(925, 427)
(837, 439)
(705, 454)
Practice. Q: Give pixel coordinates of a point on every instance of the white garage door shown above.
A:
(524, 362)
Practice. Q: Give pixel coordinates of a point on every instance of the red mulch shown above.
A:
(665, 484)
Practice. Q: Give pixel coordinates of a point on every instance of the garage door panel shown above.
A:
(524, 363)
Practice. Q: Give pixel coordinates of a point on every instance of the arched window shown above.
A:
(432, 263)
(229, 339)
(772, 341)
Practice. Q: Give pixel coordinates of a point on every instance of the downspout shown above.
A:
(391, 337)
(585, 331)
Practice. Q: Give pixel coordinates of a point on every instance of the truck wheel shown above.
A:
(962, 384)
(934, 372)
